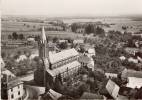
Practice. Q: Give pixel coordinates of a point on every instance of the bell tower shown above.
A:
(42, 45)
(44, 53)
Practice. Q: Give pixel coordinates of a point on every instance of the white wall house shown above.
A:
(111, 75)
(12, 88)
(134, 82)
(2, 62)
(21, 58)
(15, 90)
(91, 52)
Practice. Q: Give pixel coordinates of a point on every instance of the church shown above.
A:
(64, 64)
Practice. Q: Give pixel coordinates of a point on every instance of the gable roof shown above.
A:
(87, 95)
(54, 95)
(53, 58)
(131, 73)
(2, 62)
(63, 68)
(21, 58)
(7, 72)
(112, 88)
(78, 41)
(110, 75)
(12, 82)
(91, 50)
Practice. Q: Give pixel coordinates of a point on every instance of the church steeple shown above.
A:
(43, 50)
(43, 53)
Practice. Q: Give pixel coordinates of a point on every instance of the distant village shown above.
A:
(101, 65)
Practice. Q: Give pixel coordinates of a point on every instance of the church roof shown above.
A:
(62, 55)
(63, 68)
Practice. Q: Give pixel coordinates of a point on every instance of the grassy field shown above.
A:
(59, 34)
(20, 26)
(29, 28)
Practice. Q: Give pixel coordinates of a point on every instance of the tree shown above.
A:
(99, 31)
(19, 53)
(138, 95)
(64, 27)
(126, 37)
(15, 35)
(74, 27)
(70, 40)
(58, 85)
(3, 54)
(37, 38)
(21, 36)
(55, 39)
(82, 50)
(89, 29)
(9, 36)
(124, 27)
(63, 45)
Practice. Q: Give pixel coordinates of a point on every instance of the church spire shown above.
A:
(43, 36)
(43, 53)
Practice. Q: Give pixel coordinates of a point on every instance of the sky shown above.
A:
(72, 7)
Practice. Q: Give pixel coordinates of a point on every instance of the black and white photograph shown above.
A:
(71, 49)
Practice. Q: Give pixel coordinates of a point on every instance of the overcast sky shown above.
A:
(71, 7)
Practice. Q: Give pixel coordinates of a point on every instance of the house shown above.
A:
(130, 73)
(89, 50)
(86, 62)
(132, 51)
(122, 58)
(54, 95)
(137, 35)
(21, 58)
(134, 78)
(12, 88)
(38, 89)
(111, 75)
(15, 43)
(7, 72)
(63, 41)
(133, 60)
(112, 88)
(31, 39)
(78, 41)
(2, 62)
(134, 82)
(92, 96)
(32, 56)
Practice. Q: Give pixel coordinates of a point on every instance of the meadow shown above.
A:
(31, 28)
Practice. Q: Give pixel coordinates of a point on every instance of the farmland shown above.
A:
(32, 28)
